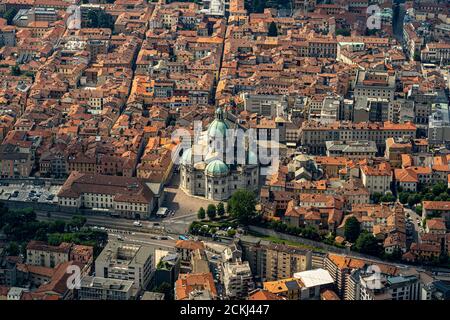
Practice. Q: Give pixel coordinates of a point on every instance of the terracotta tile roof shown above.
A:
(188, 283)
(280, 286)
(436, 224)
(345, 262)
(264, 295)
(329, 295)
(189, 245)
(436, 205)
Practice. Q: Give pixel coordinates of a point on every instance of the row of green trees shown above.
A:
(258, 6)
(21, 226)
(211, 211)
(363, 242)
(241, 206)
(100, 19)
(438, 192)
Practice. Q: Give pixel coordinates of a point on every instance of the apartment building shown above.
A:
(313, 135)
(377, 178)
(167, 268)
(439, 124)
(364, 285)
(237, 279)
(8, 269)
(270, 261)
(39, 253)
(304, 5)
(185, 248)
(321, 47)
(340, 268)
(314, 282)
(394, 150)
(126, 261)
(351, 149)
(98, 288)
(265, 105)
(371, 109)
(437, 209)
(7, 36)
(436, 52)
(374, 84)
(14, 162)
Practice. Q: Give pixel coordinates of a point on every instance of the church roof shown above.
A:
(217, 168)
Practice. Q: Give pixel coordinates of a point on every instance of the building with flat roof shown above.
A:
(314, 282)
(98, 288)
(374, 84)
(237, 279)
(126, 261)
(351, 149)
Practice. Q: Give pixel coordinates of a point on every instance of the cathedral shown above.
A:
(219, 162)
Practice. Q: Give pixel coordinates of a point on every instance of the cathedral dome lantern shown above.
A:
(218, 128)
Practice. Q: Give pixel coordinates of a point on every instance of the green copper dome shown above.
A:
(217, 168)
(186, 158)
(218, 127)
(252, 158)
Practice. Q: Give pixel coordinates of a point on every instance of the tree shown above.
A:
(414, 199)
(352, 229)
(396, 254)
(211, 211)
(201, 214)
(171, 120)
(231, 233)
(343, 32)
(105, 20)
(9, 15)
(15, 70)
(273, 30)
(13, 249)
(257, 6)
(403, 197)
(242, 205)
(428, 197)
(376, 196)
(92, 19)
(167, 289)
(442, 197)
(419, 209)
(388, 197)
(439, 188)
(367, 244)
(310, 233)
(220, 209)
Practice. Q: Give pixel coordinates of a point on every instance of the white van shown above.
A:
(137, 224)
